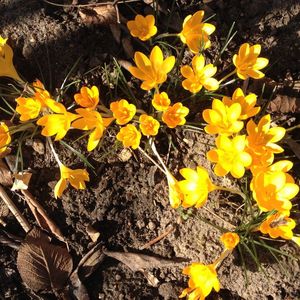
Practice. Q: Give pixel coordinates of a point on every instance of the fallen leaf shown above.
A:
(9, 240)
(43, 266)
(152, 280)
(93, 233)
(102, 14)
(294, 146)
(284, 104)
(127, 46)
(21, 181)
(5, 174)
(41, 216)
(138, 262)
(116, 32)
(87, 265)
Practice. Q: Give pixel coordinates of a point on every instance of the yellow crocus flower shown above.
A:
(247, 103)
(175, 115)
(230, 240)
(278, 225)
(75, 177)
(203, 279)
(129, 136)
(195, 187)
(230, 156)
(142, 27)
(153, 70)
(247, 62)
(199, 76)
(5, 137)
(7, 68)
(57, 123)
(195, 33)
(123, 112)
(161, 101)
(88, 97)
(148, 125)
(223, 119)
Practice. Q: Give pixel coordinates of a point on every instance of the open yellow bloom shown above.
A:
(148, 125)
(122, 111)
(199, 75)
(75, 177)
(203, 278)
(175, 115)
(153, 70)
(142, 27)
(195, 33)
(58, 123)
(247, 103)
(247, 62)
(262, 141)
(28, 108)
(129, 136)
(230, 156)
(195, 187)
(223, 119)
(273, 188)
(230, 240)
(278, 225)
(88, 97)
(161, 101)
(90, 120)
(5, 137)
(7, 68)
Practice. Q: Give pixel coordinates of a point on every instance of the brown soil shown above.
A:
(127, 201)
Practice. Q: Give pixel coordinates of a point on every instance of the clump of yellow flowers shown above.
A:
(245, 143)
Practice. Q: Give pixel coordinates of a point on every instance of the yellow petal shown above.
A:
(211, 84)
(260, 63)
(156, 58)
(198, 63)
(60, 187)
(168, 64)
(187, 71)
(289, 191)
(208, 28)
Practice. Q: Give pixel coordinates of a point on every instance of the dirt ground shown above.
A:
(127, 199)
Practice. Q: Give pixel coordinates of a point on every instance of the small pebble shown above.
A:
(151, 225)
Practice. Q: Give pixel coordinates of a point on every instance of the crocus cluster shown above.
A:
(244, 143)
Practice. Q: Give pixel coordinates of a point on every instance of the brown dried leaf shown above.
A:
(284, 104)
(43, 266)
(88, 264)
(41, 216)
(93, 233)
(294, 146)
(127, 46)
(5, 174)
(137, 262)
(125, 64)
(21, 181)
(103, 14)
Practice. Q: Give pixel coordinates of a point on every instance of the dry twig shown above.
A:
(13, 208)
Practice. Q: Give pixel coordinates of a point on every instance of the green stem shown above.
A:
(219, 260)
(227, 76)
(21, 127)
(164, 35)
(292, 128)
(232, 191)
(53, 151)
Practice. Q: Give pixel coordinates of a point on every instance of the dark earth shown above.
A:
(127, 197)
